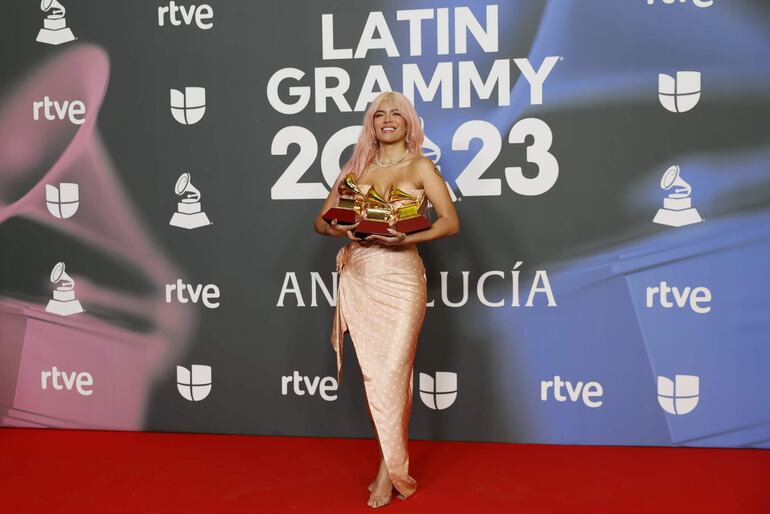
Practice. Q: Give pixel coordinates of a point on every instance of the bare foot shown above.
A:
(381, 488)
(381, 494)
(398, 495)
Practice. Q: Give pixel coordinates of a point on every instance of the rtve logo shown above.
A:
(189, 293)
(323, 386)
(679, 396)
(590, 391)
(441, 393)
(200, 14)
(80, 381)
(189, 107)
(194, 385)
(62, 201)
(74, 110)
(698, 297)
(697, 3)
(679, 94)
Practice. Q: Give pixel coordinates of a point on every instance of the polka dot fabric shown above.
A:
(381, 302)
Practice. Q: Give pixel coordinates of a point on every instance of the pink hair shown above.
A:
(366, 149)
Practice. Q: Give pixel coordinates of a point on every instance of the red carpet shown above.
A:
(80, 471)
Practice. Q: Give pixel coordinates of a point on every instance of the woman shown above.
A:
(382, 285)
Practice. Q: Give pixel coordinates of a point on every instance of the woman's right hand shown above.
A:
(339, 230)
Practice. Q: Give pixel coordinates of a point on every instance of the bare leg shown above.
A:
(381, 488)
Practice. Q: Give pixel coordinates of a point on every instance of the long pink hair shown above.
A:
(366, 147)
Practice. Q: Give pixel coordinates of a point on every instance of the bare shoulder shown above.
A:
(423, 168)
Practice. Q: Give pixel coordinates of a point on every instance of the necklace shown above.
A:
(392, 163)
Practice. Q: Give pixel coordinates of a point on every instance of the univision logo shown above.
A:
(678, 396)
(679, 94)
(189, 107)
(194, 385)
(62, 201)
(440, 393)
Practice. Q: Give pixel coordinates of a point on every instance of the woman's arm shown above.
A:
(447, 224)
(319, 224)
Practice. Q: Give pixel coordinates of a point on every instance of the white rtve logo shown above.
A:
(208, 294)
(80, 381)
(196, 385)
(679, 396)
(323, 385)
(74, 110)
(440, 393)
(697, 3)
(590, 392)
(189, 107)
(679, 94)
(62, 201)
(200, 14)
(699, 297)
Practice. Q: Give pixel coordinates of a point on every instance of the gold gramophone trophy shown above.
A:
(377, 215)
(349, 204)
(408, 216)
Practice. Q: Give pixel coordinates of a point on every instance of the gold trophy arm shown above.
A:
(348, 186)
(397, 194)
(374, 197)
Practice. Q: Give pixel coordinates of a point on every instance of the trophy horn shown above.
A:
(348, 184)
(375, 197)
(397, 194)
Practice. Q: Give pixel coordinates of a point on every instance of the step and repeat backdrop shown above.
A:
(162, 162)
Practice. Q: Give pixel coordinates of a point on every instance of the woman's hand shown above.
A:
(397, 239)
(338, 230)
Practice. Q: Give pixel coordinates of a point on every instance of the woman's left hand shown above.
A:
(397, 239)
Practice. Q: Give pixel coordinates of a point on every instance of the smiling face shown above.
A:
(389, 123)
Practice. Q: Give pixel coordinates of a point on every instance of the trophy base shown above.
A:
(189, 221)
(55, 37)
(64, 308)
(677, 218)
(369, 227)
(343, 216)
(412, 225)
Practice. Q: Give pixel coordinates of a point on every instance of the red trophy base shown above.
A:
(369, 227)
(412, 225)
(343, 216)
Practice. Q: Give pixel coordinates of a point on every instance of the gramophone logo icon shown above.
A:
(55, 30)
(677, 208)
(188, 211)
(63, 302)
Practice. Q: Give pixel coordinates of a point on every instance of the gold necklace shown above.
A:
(392, 163)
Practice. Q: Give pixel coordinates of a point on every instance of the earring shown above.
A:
(406, 140)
